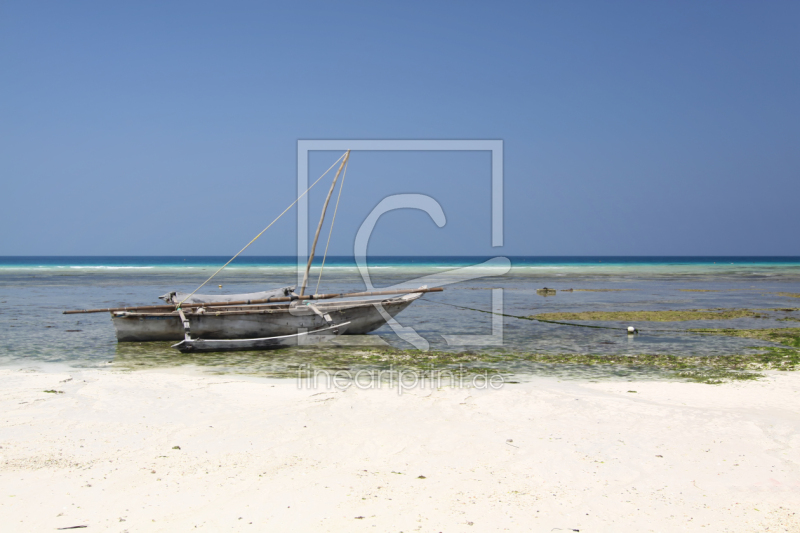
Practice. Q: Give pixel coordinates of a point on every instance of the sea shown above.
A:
(483, 306)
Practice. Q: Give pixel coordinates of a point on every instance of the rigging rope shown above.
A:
(262, 232)
(344, 175)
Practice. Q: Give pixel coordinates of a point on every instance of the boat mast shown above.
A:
(321, 220)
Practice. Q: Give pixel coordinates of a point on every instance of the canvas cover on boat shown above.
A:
(177, 297)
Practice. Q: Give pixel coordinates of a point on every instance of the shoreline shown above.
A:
(537, 455)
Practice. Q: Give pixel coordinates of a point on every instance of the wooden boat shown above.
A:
(257, 321)
(269, 319)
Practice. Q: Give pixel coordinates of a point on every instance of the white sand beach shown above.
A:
(262, 455)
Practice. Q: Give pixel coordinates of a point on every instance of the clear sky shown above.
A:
(629, 128)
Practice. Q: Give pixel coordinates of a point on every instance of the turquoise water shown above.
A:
(736, 263)
(34, 291)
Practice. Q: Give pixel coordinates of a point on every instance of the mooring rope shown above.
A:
(261, 233)
(558, 322)
(522, 317)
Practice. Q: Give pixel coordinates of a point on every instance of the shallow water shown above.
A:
(34, 291)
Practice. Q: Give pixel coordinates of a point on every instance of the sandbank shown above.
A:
(158, 451)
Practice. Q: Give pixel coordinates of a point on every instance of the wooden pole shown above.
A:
(275, 299)
(321, 220)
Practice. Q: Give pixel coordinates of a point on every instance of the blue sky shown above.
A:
(629, 128)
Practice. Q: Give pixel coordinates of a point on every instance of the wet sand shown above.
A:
(263, 455)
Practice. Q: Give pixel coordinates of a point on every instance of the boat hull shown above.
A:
(363, 316)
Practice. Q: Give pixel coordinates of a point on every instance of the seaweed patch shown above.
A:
(787, 294)
(698, 290)
(656, 316)
(785, 336)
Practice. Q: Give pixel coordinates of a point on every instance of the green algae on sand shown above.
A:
(298, 361)
(700, 369)
(655, 316)
(785, 336)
